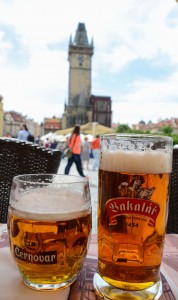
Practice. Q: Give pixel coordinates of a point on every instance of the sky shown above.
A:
(135, 59)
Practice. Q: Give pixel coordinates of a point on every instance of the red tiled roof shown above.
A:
(16, 116)
(53, 123)
(173, 122)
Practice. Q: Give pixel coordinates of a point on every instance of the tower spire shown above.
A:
(81, 38)
(70, 40)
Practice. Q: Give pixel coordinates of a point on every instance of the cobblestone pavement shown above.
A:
(93, 180)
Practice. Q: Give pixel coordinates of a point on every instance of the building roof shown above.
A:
(81, 38)
(17, 117)
(173, 123)
(81, 35)
(52, 123)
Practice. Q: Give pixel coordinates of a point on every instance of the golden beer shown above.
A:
(132, 214)
(49, 247)
(49, 251)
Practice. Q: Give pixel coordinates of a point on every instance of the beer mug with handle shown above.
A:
(132, 213)
(49, 224)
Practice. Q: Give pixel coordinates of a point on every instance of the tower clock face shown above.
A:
(80, 59)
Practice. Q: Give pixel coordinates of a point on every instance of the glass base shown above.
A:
(47, 287)
(108, 292)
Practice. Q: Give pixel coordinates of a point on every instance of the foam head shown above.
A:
(50, 204)
(138, 162)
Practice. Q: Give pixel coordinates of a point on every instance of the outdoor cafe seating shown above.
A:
(20, 157)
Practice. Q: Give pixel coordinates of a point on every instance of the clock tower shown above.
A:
(79, 109)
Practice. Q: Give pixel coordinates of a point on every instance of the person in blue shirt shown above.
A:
(23, 133)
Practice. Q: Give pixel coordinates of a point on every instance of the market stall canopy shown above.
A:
(53, 137)
(49, 135)
(92, 128)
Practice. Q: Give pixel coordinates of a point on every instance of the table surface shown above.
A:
(83, 287)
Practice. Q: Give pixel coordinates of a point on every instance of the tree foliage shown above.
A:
(123, 128)
(166, 130)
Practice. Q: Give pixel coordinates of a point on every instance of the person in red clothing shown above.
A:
(75, 144)
(95, 145)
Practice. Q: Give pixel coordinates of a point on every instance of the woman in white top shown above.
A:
(85, 153)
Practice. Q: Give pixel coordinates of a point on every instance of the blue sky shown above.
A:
(135, 59)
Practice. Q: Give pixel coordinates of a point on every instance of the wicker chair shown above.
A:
(17, 158)
(172, 224)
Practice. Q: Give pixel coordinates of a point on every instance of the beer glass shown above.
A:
(49, 224)
(134, 176)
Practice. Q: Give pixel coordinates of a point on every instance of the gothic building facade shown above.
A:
(82, 107)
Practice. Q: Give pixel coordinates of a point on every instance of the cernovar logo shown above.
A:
(49, 257)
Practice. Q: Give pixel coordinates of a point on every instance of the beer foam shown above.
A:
(48, 204)
(137, 162)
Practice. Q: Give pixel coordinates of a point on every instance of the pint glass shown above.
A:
(132, 213)
(49, 223)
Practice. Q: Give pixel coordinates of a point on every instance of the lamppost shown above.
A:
(93, 128)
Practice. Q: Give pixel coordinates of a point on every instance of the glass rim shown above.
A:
(74, 178)
(137, 135)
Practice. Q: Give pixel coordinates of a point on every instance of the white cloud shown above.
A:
(129, 113)
(148, 100)
(4, 47)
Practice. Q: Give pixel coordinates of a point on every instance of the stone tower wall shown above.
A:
(79, 76)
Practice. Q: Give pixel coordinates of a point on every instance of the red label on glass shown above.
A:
(133, 206)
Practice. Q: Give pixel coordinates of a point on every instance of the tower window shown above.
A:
(80, 59)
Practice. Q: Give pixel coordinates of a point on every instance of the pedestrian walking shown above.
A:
(75, 145)
(85, 153)
(47, 143)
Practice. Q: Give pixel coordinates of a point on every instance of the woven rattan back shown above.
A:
(17, 158)
(172, 225)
